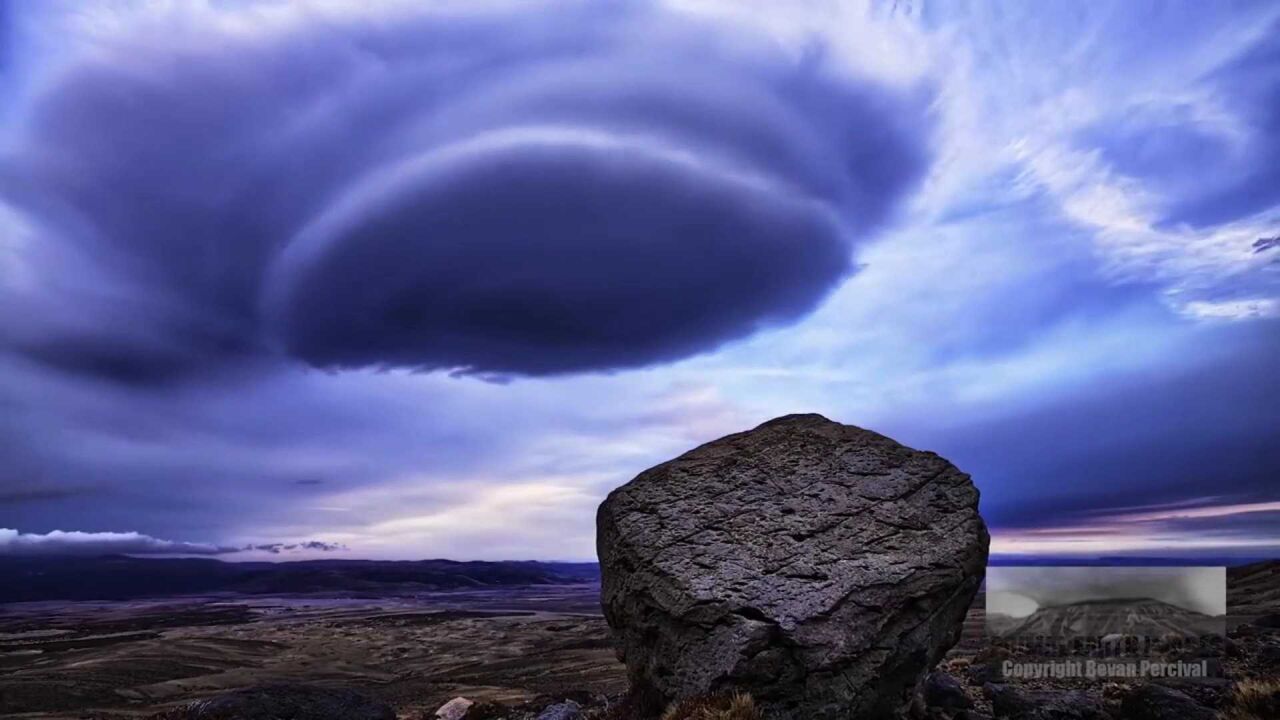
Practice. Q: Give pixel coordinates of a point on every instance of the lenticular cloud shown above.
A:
(521, 193)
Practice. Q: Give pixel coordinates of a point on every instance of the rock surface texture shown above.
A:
(821, 567)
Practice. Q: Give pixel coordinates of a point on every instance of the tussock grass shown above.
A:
(1253, 699)
(737, 706)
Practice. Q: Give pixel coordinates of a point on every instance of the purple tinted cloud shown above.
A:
(523, 193)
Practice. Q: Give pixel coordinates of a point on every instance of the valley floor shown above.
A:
(131, 659)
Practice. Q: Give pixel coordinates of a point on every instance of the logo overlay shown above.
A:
(1105, 622)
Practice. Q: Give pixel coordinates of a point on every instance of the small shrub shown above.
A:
(1253, 699)
(737, 706)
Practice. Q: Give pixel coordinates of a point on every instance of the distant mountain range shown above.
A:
(1143, 617)
(120, 577)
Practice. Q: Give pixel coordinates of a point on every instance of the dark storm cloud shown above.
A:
(561, 258)
(531, 193)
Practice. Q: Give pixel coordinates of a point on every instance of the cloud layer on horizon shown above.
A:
(58, 542)
(76, 542)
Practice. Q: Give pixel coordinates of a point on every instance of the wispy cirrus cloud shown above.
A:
(1159, 155)
(1236, 529)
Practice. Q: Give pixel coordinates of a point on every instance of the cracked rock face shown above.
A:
(821, 567)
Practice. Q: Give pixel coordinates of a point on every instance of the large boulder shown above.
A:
(821, 567)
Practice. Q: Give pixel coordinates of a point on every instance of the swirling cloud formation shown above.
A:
(498, 193)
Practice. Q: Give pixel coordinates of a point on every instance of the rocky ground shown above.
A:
(527, 653)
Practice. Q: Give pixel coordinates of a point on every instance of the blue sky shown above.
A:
(405, 282)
